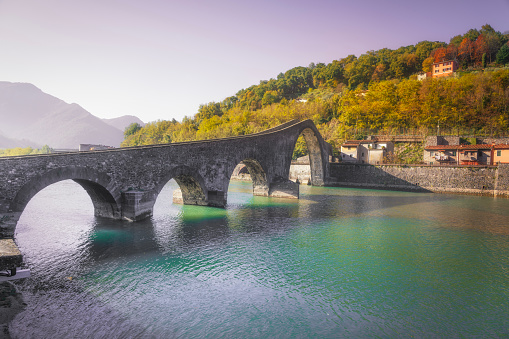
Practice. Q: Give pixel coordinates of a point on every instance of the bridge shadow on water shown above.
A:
(182, 228)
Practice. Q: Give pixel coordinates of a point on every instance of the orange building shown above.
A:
(444, 68)
(501, 154)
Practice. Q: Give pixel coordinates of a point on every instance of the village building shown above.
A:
(444, 68)
(423, 75)
(93, 147)
(501, 154)
(366, 151)
(441, 155)
(475, 155)
(483, 154)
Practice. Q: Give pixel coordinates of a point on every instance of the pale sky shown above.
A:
(161, 59)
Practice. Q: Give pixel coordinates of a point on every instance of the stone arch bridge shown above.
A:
(124, 183)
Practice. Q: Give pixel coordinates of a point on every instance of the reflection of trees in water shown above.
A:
(195, 226)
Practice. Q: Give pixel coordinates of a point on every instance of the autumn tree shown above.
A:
(427, 64)
(466, 51)
(480, 48)
(439, 54)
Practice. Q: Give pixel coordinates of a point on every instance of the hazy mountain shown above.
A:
(12, 143)
(26, 112)
(122, 122)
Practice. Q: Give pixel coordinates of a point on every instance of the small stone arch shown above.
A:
(191, 184)
(99, 186)
(258, 176)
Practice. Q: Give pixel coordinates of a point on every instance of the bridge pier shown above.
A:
(284, 189)
(137, 205)
(215, 199)
(279, 189)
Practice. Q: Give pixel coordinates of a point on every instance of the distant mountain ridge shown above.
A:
(28, 113)
(122, 122)
(13, 143)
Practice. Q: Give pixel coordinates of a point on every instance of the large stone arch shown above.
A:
(258, 176)
(318, 153)
(104, 194)
(192, 188)
(99, 186)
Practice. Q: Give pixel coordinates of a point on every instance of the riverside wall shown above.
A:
(299, 172)
(478, 180)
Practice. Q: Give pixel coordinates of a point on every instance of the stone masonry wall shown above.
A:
(480, 180)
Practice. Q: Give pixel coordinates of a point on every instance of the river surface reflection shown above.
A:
(336, 263)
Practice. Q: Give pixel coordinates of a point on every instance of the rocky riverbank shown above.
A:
(11, 303)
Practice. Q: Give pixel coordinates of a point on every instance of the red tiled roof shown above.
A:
(459, 147)
(358, 142)
(442, 147)
(353, 142)
(501, 146)
(441, 62)
(470, 147)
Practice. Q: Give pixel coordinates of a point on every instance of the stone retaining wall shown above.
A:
(479, 180)
(299, 172)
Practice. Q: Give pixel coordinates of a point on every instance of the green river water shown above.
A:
(337, 263)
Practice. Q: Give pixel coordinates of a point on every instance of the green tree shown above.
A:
(269, 98)
(46, 149)
(208, 111)
(503, 55)
(131, 129)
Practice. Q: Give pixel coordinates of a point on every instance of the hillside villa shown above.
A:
(444, 68)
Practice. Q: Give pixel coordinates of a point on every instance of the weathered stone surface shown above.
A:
(11, 303)
(10, 256)
(124, 183)
(481, 180)
(300, 172)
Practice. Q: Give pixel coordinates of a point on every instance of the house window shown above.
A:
(453, 153)
(351, 156)
(362, 154)
(499, 153)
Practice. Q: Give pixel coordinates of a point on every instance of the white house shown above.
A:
(366, 151)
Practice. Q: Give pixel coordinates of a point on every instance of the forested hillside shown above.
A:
(377, 92)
